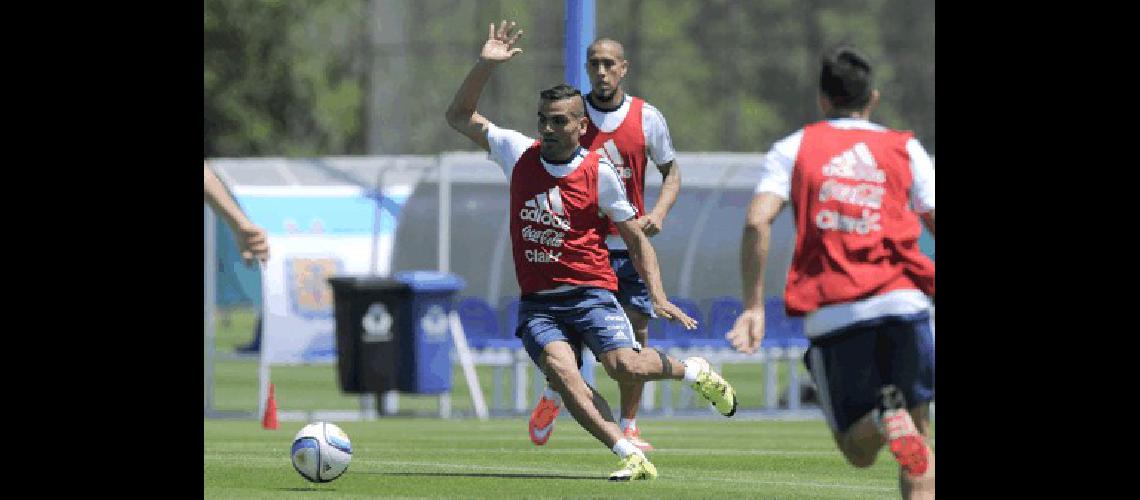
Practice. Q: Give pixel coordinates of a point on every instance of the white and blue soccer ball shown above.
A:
(321, 452)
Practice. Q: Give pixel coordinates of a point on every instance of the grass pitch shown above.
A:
(419, 457)
(409, 457)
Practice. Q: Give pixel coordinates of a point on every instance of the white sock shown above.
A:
(691, 371)
(627, 424)
(549, 393)
(623, 448)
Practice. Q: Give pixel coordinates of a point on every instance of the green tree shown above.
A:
(336, 77)
(282, 78)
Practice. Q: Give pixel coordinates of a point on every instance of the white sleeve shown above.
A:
(506, 147)
(776, 172)
(657, 139)
(922, 175)
(611, 193)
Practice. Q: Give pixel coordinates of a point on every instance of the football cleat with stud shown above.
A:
(633, 468)
(542, 420)
(714, 387)
(894, 423)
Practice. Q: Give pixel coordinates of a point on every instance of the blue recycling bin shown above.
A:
(425, 349)
(394, 332)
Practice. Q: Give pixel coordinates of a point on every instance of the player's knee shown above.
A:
(859, 453)
(565, 379)
(617, 369)
(860, 458)
(643, 364)
(624, 366)
(557, 367)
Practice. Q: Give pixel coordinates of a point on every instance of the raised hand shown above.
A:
(500, 42)
(748, 331)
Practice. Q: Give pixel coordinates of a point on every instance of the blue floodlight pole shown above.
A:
(579, 34)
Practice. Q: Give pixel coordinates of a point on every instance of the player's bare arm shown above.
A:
(461, 115)
(748, 331)
(251, 239)
(645, 261)
(654, 221)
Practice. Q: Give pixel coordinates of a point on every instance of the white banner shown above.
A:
(315, 232)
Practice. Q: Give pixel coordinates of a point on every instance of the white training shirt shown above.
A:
(776, 178)
(658, 144)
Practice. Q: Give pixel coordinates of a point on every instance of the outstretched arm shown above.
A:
(461, 113)
(748, 330)
(251, 239)
(645, 261)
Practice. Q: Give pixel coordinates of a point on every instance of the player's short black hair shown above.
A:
(560, 92)
(846, 78)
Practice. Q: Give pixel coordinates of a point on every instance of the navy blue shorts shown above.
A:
(590, 315)
(632, 291)
(851, 364)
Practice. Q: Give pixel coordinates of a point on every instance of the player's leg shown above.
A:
(910, 342)
(633, 296)
(592, 412)
(922, 485)
(868, 375)
(549, 345)
(843, 369)
(640, 323)
(609, 335)
(541, 423)
(633, 365)
(585, 404)
(542, 418)
(631, 391)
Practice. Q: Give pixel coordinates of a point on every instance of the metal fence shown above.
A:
(456, 220)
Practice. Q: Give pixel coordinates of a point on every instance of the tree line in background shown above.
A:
(353, 77)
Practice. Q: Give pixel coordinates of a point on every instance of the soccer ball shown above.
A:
(321, 452)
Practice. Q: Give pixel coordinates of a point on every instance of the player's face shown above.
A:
(560, 125)
(606, 68)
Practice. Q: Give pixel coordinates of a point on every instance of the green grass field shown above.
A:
(430, 457)
(420, 457)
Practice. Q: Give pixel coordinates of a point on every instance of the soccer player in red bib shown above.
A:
(627, 131)
(858, 191)
(559, 193)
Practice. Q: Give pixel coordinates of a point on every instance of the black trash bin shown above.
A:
(392, 333)
(368, 311)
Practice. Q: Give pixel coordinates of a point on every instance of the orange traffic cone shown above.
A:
(269, 420)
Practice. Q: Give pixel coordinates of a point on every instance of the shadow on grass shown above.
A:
(499, 475)
(311, 488)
